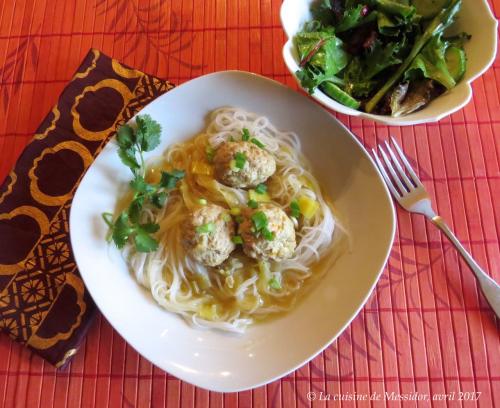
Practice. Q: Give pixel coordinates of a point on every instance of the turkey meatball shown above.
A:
(275, 240)
(208, 236)
(243, 164)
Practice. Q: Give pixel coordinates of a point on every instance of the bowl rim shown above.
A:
(330, 103)
(179, 373)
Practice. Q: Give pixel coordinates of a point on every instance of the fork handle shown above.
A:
(490, 288)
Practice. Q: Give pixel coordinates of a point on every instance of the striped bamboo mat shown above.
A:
(424, 330)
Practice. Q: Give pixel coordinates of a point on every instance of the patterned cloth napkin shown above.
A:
(43, 302)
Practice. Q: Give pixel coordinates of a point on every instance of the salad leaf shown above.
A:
(326, 12)
(429, 8)
(431, 63)
(321, 50)
(359, 51)
(310, 80)
(438, 24)
(381, 57)
(354, 17)
(356, 82)
(359, 75)
(386, 25)
(396, 8)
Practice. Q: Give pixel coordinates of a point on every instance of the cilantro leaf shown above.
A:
(125, 137)
(133, 142)
(134, 209)
(144, 242)
(150, 227)
(148, 132)
(121, 230)
(108, 219)
(140, 185)
(159, 199)
(178, 173)
(169, 180)
(127, 157)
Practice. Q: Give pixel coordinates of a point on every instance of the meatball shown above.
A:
(277, 243)
(208, 236)
(257, 164)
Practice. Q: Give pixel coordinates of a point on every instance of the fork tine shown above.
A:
(406, 181)
(394, 175)
(407, 164)
(386, 177)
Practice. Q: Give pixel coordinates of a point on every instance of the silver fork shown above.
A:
(411, 194)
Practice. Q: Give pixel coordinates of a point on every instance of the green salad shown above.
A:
(390, 57)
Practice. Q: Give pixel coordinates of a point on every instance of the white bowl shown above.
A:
(212, 359)
(475, 18)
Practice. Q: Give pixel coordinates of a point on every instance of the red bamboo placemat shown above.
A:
(424, 332)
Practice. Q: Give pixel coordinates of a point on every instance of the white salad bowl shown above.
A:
(212, 359)
(475, 18)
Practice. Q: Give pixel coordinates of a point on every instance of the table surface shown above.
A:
(424, 330)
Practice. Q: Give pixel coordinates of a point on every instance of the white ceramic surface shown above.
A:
(475, 18)
(212, 359)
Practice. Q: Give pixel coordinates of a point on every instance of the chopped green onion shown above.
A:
(202, 201)
(237, 240)
(274, 283)
(232, 166)
(257, 142)
(245, 135)
(267, 234)
(240, 160)
(294, 209)
(253, 204)
(206, 228)
(259, 220)
(261, 188)
(226, 217)
(210, 152)
(239, 219)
